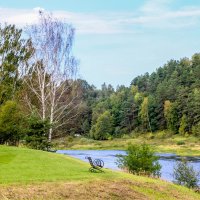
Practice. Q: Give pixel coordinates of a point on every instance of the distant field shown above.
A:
(30, 174)
(188, 146)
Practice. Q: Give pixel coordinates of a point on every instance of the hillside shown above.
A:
(165, 100)
(31, 174)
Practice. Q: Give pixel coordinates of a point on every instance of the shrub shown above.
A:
(103, 127)
(69, 139)
(183, 125)
(84, 140)
(180, 143)
(184, 174)
(163, 134)
(110, 137)
(140, 159)
(151, 136)
(11, 123)
(125, 136)
(37, 134)
(117, 131)
(196, 129)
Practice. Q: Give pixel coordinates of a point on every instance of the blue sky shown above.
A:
(117, 40)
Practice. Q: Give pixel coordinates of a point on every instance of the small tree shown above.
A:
(11, 123)
(183, 125)
(37, 133)
(171, 116)
(196, 129)
(140, 159)
(103, 127)
(184, 174)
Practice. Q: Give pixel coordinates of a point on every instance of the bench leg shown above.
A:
(92, 169)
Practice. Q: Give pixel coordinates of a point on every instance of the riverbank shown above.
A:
(30, 174)
(166, 160)
(184, 146)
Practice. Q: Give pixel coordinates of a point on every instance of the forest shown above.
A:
(42, 98)
(167, 99)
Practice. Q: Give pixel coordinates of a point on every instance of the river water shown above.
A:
(166, 160)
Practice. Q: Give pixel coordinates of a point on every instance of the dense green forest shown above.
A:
(41, 97)
(167, 99)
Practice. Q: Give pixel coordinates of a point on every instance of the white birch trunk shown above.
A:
(52, 40)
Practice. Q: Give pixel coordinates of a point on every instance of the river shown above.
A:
(166, 160)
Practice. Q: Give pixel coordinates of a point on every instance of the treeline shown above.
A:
(168, 99)
(41, 97)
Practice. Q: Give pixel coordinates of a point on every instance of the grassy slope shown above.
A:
(30, 174)
(191, 146)
(21, 165)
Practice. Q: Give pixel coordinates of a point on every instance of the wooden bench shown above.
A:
(96, 165)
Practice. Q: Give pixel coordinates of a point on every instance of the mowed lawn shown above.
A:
(21, 165)
(31, 174)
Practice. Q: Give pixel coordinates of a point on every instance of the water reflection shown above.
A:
(166, 160)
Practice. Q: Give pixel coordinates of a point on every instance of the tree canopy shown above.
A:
(37, 75)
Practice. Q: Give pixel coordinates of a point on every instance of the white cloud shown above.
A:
(83, 22)
(159, 14)
(153, 14)
(90, 23)
(155, 6)
(19, 17)
(37, 9)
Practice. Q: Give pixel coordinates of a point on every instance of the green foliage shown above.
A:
(98, 110)
(140, 159)
(163, 134)
(11, 123)
(183, 125)
(196, 129)
(103, 127)
(180, 143)
(166, 100)
(134, 90)
(184, 174)
(170, 114)
(138, 97)
(106, 91)
(14, 53)
(37, 133)
(144, 114)
(86, 126)
(69, 139)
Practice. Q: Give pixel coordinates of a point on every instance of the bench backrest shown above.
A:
(90, 161)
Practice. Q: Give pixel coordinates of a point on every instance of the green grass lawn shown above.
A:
(190, 146)
(21, 165)
(32, 174)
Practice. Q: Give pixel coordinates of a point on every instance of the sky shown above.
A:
(117, 40)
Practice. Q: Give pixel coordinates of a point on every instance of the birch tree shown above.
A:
(53, 71)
